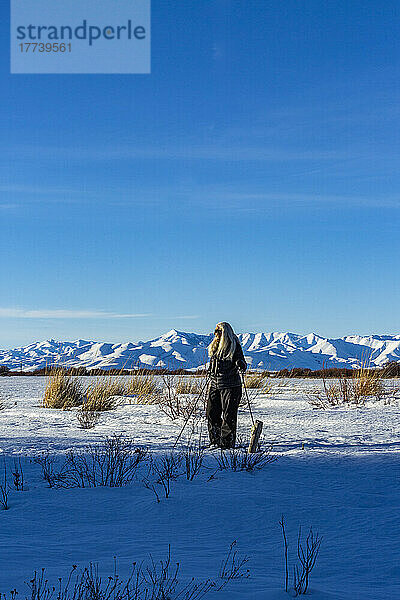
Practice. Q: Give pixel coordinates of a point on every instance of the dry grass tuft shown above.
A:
(188, 385)
(368, 382)
(255, 380)
(256, 384)
(62, 391)
(144, 387)
(258, 381)
(100, 395)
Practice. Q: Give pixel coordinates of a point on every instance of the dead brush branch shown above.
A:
(62, 391)
(167, 469)
(307, 554)
(176, 405)
(285, 547)
(193, 458)
(18, 476)
(87, 418)
(232, 567)
(4, 487)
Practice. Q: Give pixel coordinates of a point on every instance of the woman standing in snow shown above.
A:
(225, 391)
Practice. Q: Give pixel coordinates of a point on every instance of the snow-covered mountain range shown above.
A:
(177, 349)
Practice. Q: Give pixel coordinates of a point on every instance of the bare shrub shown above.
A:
(47, 464)
(62, 391)
(154, 581)
(239, 459)
(334, 393)
(170, 402)
(179, 408)
(176, 405)
(111, 464)
(391, 393)
(87, 418)
(18, 475)
(307, 554)
(161, 583)
(167, 469)
(4, 400)
(4, 487)
(193, 458)
(232, 566)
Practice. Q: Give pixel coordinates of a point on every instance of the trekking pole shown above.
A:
(248, 399)
(257, 425)
(192, 411)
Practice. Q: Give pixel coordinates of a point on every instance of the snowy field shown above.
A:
(337, 470)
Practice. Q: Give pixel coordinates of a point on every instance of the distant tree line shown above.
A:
(83, 372)
(391, 369)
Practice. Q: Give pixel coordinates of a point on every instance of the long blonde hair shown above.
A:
(223, 347)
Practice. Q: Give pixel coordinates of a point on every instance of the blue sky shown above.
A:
(253, 177)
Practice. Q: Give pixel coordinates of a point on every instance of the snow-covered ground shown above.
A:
(337, 470)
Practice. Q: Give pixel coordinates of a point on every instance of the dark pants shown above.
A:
(222, 409)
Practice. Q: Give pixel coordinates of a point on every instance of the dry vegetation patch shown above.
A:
(255, 380)
(101, 394)
(364, 384)
(188, 385)
(143, 386)
(63, 391)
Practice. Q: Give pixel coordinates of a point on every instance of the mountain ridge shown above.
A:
(178, 349)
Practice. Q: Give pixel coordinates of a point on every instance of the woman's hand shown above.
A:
(242, 366)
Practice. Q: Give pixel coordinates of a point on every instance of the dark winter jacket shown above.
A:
(225, 373)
